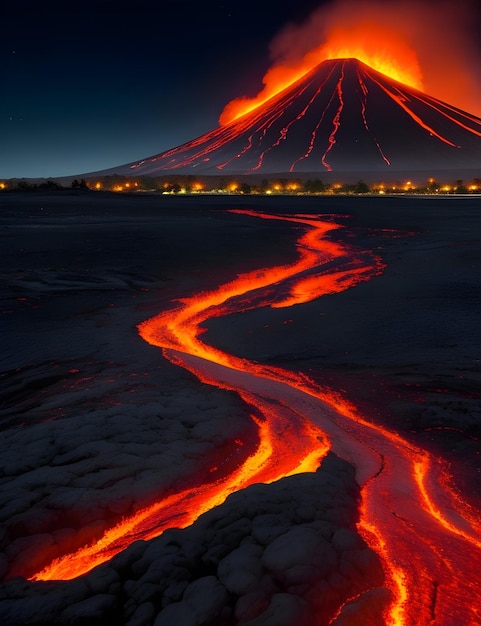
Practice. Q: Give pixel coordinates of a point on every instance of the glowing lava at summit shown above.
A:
(382, 49)
(390, 55)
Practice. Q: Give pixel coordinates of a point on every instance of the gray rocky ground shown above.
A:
(95, 424)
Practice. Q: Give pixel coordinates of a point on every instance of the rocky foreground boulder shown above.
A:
(281, 554)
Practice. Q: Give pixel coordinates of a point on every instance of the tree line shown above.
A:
(192, 185)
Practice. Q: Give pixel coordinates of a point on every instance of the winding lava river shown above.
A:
(428, 539)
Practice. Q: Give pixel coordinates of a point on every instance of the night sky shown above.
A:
(91, 84)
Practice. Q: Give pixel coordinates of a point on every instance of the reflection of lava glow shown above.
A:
(380, 48)
(427, 538)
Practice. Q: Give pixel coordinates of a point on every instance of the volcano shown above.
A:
(343, 116)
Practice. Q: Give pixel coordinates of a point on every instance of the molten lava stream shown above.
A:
(287, 442)
(428, 540)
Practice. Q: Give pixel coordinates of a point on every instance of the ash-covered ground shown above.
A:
(96, 424)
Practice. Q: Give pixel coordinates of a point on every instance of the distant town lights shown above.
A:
(186, 185)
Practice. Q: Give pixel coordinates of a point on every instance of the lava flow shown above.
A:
(427, 538)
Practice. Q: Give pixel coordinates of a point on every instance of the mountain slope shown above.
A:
(342, 116)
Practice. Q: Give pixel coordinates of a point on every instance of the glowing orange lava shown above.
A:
(428, 540)
(288, 443)
(183, 508)
(381, 48)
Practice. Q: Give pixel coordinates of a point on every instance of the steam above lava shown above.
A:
(425, 46)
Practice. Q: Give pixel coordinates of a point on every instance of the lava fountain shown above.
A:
(427, 538)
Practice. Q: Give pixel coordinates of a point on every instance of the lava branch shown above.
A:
(421, 530)
(364, 92)
(336, 122)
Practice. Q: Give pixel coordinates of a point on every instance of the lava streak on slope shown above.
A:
(427, 538)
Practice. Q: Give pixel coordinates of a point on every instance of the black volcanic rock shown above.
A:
(271, 554)
(342, 116)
